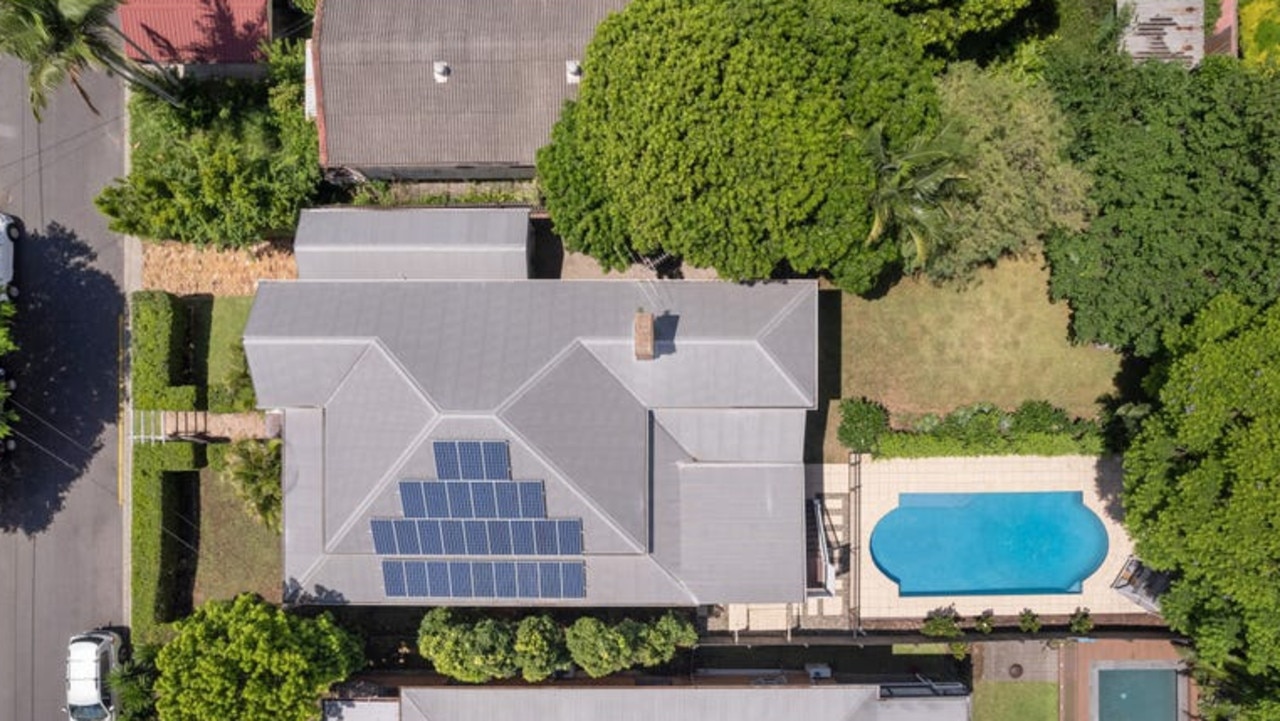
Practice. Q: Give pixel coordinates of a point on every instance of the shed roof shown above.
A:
(195, 31)
(685, 470)
(380, 105)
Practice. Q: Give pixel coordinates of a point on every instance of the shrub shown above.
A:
(983, 623)
(233, 393)
(942, 623)
(540, 649)
(472, 652)
(862, 423)
(1028, 621)
(159, 352)
(985, 430)
(133, 683)
(659, 640)
(253, 468)
(598, 648)
(959, 649)
(1081, 622)
(155, 551)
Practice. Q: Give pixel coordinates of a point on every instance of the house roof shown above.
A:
(685, 471)
(195, 31)
(675, 703)
(413, 243)
(380, 106)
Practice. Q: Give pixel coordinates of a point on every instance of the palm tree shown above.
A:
(59, 40)
(910, 189)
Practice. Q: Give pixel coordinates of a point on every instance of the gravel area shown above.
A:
(185, 269)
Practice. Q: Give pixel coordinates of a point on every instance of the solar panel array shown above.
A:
(484, 579)
(475, 509)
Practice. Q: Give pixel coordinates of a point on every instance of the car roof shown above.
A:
(82, 672)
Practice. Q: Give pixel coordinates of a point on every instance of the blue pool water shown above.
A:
(944, 544)
(1137, 695)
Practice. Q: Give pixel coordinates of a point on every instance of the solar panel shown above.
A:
(531, 503)
(460, 577)
(504, 579)
(570, 537)
(393, 577)
(549, 579)
(384, 537)
(415, 577)
(411, 499)
(455, 543)
(471, 460)
(544, 537)
(527, 580)
(500, 538)
(438, 575)
(573, 577)
(483, 500)
(429, 534)
(508, 500)
(459, 500)
(497, 465)
(477, 538)
(522, 538)
(447, 460)
(482, 576)
(407, 537)
(437, 500)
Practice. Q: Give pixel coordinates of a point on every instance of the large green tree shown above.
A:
(1187, 192)
(730, 133)
(1202, 491)
(60, 40)
(1021, 184)
(251, 661)
(471, 651)
(943, 25)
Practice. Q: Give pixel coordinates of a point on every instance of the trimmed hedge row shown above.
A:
(1036, 428)
(155, 557)
(159, 339)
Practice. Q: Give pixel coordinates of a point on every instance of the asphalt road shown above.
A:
(60, 521)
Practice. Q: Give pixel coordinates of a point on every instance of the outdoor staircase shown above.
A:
(185, 424)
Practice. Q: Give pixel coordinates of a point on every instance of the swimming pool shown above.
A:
(945, 544)
(1137, 695)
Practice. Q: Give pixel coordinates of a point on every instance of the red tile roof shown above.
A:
(195, 31)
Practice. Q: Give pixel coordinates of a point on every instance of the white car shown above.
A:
(90, 659)
(12, 233)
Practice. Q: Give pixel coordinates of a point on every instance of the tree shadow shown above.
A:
(180, 544)
(67, 328)
(1109, 482)
(221, 37)
(830, 358)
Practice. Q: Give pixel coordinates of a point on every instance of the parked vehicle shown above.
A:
(11, 231)
(91, 657)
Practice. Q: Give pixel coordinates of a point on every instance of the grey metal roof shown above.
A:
(413, 243)
(685, 470)
(674, 703)
(381, 107)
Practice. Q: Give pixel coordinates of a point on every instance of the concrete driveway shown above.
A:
(61, 533)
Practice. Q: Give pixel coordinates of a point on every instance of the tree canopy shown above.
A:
(731, 133)
(942, 25)
(1187, 191)
(1202, 487)
(249, 660)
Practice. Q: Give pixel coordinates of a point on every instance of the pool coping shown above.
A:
(1177, 667)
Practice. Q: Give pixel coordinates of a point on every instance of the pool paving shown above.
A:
(879, 484)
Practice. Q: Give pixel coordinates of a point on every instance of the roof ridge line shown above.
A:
(782, 314)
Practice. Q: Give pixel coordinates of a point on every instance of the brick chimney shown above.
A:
(644, 335)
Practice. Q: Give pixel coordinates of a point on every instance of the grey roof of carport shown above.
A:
(685, 470)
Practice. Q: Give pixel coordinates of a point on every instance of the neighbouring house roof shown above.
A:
(1168, 30)
(413, 243)
(380, 105)
(186, 32)
(682, 474)
(675, 703)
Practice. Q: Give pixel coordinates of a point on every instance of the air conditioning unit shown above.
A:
(817, 671)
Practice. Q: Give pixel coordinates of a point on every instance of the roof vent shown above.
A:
(572, 72)
(644, 335)
(441, 71)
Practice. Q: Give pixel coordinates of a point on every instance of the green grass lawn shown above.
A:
(1015, 701)
(237, 554)
(928, 349)
(230, 313)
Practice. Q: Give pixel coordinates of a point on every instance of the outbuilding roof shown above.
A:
(187, 32)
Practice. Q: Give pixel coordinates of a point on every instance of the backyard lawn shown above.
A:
(237, 553)
(1015, 701)
(230, 313)
(928, 349)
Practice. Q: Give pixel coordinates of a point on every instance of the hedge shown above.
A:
(159, 341)
(157, 471)
(1036, 428)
